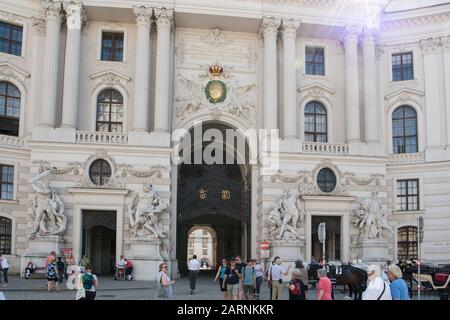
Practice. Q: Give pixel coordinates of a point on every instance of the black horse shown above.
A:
(346, 275)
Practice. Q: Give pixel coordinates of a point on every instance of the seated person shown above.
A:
(29, 269)
(128, 267)
(121, 263)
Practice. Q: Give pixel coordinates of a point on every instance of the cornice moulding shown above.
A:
(402, 91)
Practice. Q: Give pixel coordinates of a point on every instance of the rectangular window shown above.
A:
(408, 195)
(7, 182)
(402, 67)
(315, 61)
(5, 235)
(205, 252)
(204, 242)
(112, 46)
(11, 38)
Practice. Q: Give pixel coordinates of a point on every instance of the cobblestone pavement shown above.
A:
(110, 289)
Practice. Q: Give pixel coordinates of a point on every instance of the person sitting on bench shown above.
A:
(29, 269)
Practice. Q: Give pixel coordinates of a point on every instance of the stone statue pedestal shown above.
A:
(146, 257)
(289, 252)
(373, 250)
(39, 249)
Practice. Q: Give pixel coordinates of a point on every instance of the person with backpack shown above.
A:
(231, 280)
(296, 287)
(90, 283)
(249, 279)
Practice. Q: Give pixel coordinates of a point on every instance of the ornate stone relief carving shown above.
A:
(404, 96)
(316, 92)
(75, 15)
(74, 167)
(445, 42)
(216, 38)
(113, 183)
(105, 219)
(153, 171)
(307, 182)
(110, 78)
(53, 9)
(9, 71)
(430, 46)
(191, 98)
(38, 25)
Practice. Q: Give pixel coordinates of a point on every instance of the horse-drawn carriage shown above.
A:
(433, 279)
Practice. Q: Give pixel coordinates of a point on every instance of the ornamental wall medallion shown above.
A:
(216, 90)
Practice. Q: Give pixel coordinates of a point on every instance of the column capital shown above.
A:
(352, 33)
(52, 9)
(289, 28)
(270, 26)
(164, 18)
(75, 15)
(445, 42)
(370, 35)
(38, 26)
(430, 46)
(143, 15)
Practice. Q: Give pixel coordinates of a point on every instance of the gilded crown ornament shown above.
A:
(216, 90)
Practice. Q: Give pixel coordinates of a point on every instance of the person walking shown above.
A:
(61, 268)
(85, 262)
(399, 289)
(249, 279)
(377, 288)
(194, 268)
(4, 267)
(296, 287)
(231, 281)
(259, 279)
(221, 276)
(89, 282)
(52, 276)
(324, 287)
(303, 275)
(240, 265)
(276, 272)
(164, 284)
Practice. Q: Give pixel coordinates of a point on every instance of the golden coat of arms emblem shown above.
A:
(216, 90)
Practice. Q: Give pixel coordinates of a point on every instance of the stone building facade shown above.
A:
(92, 93)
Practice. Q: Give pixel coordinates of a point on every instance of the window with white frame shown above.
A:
(11, 38)
(6, 182)
(112, 46)
(408, 195)
(315, 61)
(407, 243)
(402, 66)
(404, 130)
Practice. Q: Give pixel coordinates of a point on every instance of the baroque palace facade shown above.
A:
(92, 91)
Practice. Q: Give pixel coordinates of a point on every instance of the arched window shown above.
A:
(9, 109)
(407, 243)
(404, 130)
(315, 122)
(109, 111)
(100, 172)
(5, 235)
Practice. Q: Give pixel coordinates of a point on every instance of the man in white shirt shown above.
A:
(193, 267)
(276, 276)
(5, 267)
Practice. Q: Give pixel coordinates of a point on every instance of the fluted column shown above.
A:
(289, 33)
(352, 83)
(50, 80)
(431, 49)
(370, 106)
(445, 42)
(141, 86)
(269, 30)
(164, 21)
(75, 19)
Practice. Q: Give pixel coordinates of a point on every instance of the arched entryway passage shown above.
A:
(202, 242)
(217, 196)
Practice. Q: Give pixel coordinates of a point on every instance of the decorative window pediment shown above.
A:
(10, 72)
(110, 78)
(405, 96)
(316, 92)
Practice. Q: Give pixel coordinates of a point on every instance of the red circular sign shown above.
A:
(265, 245)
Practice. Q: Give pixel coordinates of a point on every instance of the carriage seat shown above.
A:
(429, 278)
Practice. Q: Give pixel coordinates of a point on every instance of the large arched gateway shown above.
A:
(216, 195)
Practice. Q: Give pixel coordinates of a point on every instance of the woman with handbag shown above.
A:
(164, 284)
